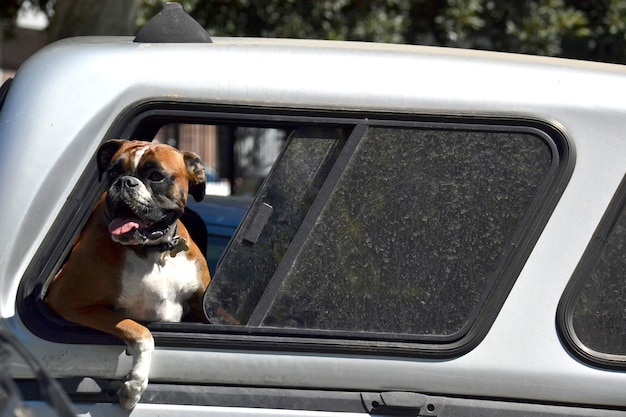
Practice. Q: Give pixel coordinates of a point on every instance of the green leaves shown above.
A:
(568, 28)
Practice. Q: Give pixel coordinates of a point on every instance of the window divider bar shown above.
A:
(272, 289)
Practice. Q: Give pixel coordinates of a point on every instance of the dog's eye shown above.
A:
(155, 176)
(113, 174)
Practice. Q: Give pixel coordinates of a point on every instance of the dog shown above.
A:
(134, 262)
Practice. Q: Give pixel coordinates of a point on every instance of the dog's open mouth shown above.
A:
(128, 228)
(121, 225)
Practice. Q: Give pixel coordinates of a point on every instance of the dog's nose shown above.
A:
(128, 182)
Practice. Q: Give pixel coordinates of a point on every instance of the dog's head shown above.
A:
(148, 185)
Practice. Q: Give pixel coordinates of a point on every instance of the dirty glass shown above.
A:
(412, 237)
(276, 214)
(599, 315)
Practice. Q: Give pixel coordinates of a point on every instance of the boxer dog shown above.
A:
(134, 261)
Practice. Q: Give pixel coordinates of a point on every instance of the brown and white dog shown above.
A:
(134, 261)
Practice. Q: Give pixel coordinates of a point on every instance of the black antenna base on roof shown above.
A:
(172, 25)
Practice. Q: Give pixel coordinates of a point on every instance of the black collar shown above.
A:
(173, 245)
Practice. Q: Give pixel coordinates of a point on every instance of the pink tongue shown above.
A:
(119, 225)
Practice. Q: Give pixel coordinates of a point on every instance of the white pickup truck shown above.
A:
(442, 234)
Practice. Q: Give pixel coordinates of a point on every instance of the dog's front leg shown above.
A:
(139, 344)
(136, 381)
(138, 340)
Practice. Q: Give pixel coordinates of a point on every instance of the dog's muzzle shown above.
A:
(134, 218)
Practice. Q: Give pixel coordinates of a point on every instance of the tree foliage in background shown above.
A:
(93, 17)
(584, 29)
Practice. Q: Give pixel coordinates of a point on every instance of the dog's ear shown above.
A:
(105, 154)
(196, 175)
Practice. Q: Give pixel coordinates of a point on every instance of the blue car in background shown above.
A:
(221, 217)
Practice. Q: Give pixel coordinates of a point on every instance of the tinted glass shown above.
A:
(292, 186)
(599, 315)
(410, 238)
(413, 235)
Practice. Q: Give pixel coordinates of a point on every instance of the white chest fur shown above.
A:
(157, 287)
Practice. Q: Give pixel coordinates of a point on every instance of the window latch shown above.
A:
(399, 403)
(260, 219)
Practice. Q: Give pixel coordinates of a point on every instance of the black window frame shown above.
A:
(57, 244)
(576, 284)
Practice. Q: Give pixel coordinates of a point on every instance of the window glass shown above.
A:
(411, 237)
(250, 263)
(599, 313)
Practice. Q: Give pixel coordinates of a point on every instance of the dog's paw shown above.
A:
(131, 390)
